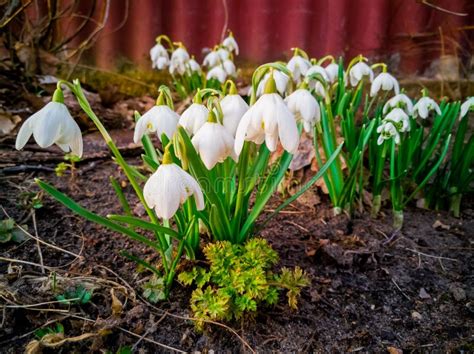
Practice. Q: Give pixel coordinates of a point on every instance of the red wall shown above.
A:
(406, 31)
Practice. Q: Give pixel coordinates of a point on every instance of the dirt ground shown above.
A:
(371, 289)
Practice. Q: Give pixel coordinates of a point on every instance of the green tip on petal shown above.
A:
(160, 101)
(211, 117)
(197, 97)
(58, 96)
(270, 85)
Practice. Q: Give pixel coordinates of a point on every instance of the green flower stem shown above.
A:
(76, 89)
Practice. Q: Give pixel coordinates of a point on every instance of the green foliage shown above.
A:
(31, 200)
(62, 167)
(10, 232)
(41, 332)
(76, 295)
(154, 290)
(239, 279)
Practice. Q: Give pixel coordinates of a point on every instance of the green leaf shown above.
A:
(136, 222)
(69, 203)
(303, 189)
(121, 197)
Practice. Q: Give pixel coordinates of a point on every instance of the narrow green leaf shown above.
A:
(72, 205)
(136, 222)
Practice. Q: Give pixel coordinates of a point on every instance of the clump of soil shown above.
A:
(371, 290)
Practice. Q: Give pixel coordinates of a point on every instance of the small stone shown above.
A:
(439, 225)
(423, 294)
(458, 293)
(416, 315)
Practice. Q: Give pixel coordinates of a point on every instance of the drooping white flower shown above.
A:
(332, 71)
(214, 144)
(217, 73)
(53, 124)
(233, 108)
(399, 118)
(194, 66)
(317, 69)
(269, 120)
(399, 100)
(160, 119)
(423, 107)
(159, 57)
(281, 80)
(169, 187)
(223, 54)
(229, 67)
(211, 59)
(178, 61)
(467, 106)
(305, 108)
(231, 44)
(193, 118)
(358, 72)
(386, 82)
(298, 67)
(387, 130)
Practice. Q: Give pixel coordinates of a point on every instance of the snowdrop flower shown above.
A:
(233, 108)
(387, 130)
(298, 67)
(169, 187)
(423, 107)
(223, 54)
(399, 118)
(217, 73)
(178, 60)
(269, 120)
(211, 59)
(332, 70)
(214, 143)
(194, 66)
(305, 108)
(160, 119)
(53, 124)
(316, 84)
(231, 44)
(317, 69)
(281, 80)
(386, 82)
(467, 106)
(399, 100)
(358, 72)
(159, 57)
(193, 118)
(229, 67)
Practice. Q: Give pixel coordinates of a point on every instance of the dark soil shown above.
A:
(371, 290)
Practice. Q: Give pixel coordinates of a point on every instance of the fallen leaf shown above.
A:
(117, 306)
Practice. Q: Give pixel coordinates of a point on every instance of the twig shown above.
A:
(244, 342)
(439, 8)
(5, 259)
(405, 295)
(432, 256)
(133, 334)
(226, 19)
(38, 239)
(38, 246)
(38, 304)
(296, 225)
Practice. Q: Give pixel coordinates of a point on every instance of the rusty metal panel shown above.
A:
(408, 33)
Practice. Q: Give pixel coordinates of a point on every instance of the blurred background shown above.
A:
(428, 38)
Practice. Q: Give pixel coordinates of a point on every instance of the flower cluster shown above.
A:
(214, 169)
